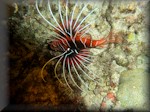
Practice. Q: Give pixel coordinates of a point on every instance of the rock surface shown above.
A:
(133, 89)
(28, 53)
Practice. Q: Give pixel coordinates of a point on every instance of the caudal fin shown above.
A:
(115, 37)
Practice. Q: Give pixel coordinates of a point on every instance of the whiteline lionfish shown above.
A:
(72, 40)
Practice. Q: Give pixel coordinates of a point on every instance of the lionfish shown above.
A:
(73, 41)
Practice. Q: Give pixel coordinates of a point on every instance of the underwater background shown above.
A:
(121, 68)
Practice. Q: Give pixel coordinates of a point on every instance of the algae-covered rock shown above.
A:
(133, 89)
(121, 22)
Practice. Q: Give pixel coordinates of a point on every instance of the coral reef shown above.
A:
(113, 64)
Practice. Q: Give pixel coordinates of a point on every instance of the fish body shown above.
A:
(80, 41)
(72, 40)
